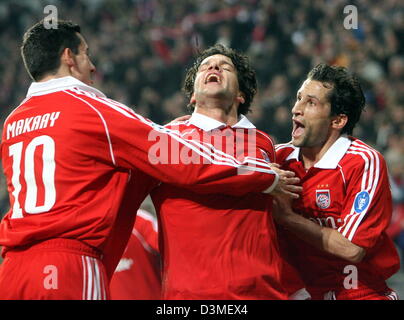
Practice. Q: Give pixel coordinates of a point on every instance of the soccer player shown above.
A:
(220, 246)
(138, 274)
(73, 159)
(338, 225)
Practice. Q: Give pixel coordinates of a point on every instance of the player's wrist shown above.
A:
(272, 187)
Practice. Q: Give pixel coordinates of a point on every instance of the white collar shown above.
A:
(59, 84)
(207, 123)
(332, 156)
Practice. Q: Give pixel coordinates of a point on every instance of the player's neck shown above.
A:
(311, 155)
(61, 73)
(215, 111)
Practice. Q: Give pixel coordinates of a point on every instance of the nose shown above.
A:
(297, 108)
(214, 66)
(93, 69)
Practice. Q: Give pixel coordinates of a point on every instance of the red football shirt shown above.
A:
(347, 190)
(72, 157)
(291, 279)
(138, 274)
(218, 246)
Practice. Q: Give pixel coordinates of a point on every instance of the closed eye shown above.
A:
(202, 68)
(227, 67)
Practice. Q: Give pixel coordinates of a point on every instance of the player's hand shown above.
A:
(182, 118)
(287, 183)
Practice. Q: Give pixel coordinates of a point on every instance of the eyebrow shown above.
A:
(313, 96)
(299, 93)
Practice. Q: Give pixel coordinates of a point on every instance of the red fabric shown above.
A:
(291, 278)
(219, 246)
(138, 275)
(58, 269)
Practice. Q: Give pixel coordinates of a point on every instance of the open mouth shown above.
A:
(298, 129)
(212, 78)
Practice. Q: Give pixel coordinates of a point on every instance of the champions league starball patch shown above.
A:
(323, 198)
(361, 202)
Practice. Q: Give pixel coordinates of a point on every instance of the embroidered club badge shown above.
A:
(323, 198)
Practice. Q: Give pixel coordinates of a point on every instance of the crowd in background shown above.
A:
(142, 48)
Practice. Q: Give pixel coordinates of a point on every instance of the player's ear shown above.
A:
(68, 58)
(240, 97)
(339, 121)
(192, 100)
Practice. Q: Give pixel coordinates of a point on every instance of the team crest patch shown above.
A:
(323, 198)
(362, 201)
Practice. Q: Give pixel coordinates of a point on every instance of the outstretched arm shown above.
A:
(130, 141)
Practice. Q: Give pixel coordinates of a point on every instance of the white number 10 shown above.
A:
(48, 175)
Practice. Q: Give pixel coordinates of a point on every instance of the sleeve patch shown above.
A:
(362, 201)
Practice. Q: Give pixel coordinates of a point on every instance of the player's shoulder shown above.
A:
(283, 150)
(32, 105)
(100, 104)
(264, 137)
(181, 126)
(265, 143)
(14, 113)
(36, 110)
(360, 152)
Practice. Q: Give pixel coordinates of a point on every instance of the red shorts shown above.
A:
(57, 269)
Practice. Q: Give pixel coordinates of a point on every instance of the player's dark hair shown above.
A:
(42, 47)
(346, 96)
(245, 75)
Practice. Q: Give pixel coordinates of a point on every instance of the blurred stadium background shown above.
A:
(141, 49)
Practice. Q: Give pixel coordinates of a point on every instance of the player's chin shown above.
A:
(297, 141)
(89, 81)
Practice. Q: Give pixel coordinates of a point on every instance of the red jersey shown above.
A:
(138, 274)
(347, 190)
(291, 279)
(72, 157)
(218, 246)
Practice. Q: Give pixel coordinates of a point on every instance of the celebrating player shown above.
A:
(71, 158)
(345, 206)
(220, 246)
